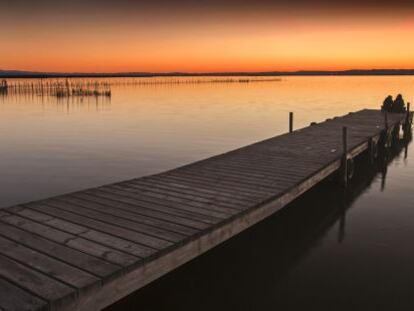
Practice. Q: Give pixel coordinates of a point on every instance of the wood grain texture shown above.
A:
(37, 283)
(85, 250)
(12, 298)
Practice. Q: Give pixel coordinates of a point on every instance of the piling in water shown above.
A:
(4, 87)
(57, 88)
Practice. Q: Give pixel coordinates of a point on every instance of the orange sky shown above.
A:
(255, 40)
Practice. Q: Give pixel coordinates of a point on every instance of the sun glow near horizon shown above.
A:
(246, 41)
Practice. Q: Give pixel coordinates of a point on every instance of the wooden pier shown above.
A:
(88, 249)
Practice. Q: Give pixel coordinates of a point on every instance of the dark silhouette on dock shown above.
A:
(396, 106)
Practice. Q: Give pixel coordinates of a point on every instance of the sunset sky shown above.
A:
(205, 36)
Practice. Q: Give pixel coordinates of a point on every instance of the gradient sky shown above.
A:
(201, 36)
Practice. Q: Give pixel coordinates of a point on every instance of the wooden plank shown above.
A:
(180, 187)
(156, 211)
(221, 180)
(47, 265)
(232, 177)
(120, 232)
(134, 193)
(216, 179)
(221, 188)
(271, 181)
(191, 193)
(56, 293)
(49, 220)
(196, 207)
(219, 211)
(151, 231)
(12, 298)
(291, 167)
(98, 237)
(174, 224)
(158, 206)
(198, 212)
(69, 240)
(70, 256)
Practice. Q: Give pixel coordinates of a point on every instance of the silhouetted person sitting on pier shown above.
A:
(397, 105)
(387, 104)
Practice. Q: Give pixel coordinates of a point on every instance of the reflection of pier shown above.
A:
(366, 174)
(88, 249)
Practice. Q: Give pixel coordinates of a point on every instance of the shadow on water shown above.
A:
(248, 271)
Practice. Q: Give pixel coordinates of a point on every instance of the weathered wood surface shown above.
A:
(85, 250)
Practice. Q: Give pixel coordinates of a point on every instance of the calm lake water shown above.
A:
(328, 250)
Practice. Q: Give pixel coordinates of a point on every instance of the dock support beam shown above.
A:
(290, 122)
(372, 150)
(386, 120)
(407, 123)
(407, 118)
(344, 169)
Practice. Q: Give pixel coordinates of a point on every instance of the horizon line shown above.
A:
(6, 73)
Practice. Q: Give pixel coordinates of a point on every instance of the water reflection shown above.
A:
(96, 104)
(325, 249)
(50, 147)
(62, 104)
(367, 175)
(253, 271)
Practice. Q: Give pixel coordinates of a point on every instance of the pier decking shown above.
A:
(88, 249)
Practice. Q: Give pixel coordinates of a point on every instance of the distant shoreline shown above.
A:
(354, 72)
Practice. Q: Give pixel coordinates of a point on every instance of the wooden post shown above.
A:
(371, 151)
(290, 122)
(345, 156)
(386, 120)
